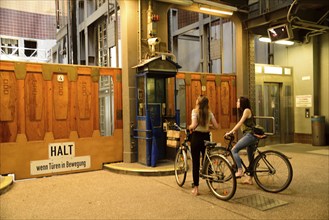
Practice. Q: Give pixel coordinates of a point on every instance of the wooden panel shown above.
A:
(8, 107)
(118, 99)
(34, 107)
(60, 106)
(21, 107)
(8, 131)
(34, 96)
(95, 106)
(225, 104)
(196, 91)
(41, 110)
(171, 97)
(84, 102)
(212, 96)
(60, 96)
(7, 96)
(84, 97)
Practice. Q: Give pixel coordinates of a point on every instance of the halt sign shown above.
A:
(61, 158)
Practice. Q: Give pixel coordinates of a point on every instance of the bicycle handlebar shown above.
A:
(181, 129)
(229, 137)
(187, 131)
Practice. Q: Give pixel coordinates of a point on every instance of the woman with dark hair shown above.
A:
(248, 139)
(202, 120)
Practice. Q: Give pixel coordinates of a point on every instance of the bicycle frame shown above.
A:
(271, 169)
(250, 167)
(216, 169)
(205, 158)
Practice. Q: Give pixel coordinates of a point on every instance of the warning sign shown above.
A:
(304, 101)
(61, 158)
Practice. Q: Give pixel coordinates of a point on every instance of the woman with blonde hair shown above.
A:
(202, 120)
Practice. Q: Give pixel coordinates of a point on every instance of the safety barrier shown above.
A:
(49, 119)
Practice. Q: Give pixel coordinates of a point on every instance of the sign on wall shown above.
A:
(61, 158)
(303, 100)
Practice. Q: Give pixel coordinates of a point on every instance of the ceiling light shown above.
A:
(265, 39)
(202, 8)
(215, 5)
(178, 2)
(283, 42)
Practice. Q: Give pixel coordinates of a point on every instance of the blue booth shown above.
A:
(156, 84)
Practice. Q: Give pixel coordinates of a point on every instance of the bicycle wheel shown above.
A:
(181, 167)
(272, 171)
(220, 177)
(225, 153)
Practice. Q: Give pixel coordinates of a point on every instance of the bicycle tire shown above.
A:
(223, 151)
(217, 171)
(180, 167)
(272, 171)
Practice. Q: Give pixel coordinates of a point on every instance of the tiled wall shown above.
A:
(46, 7)
(27, 25)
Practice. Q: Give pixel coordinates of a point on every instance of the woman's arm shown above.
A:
(214, 123)
(246, 114)
(194, 123)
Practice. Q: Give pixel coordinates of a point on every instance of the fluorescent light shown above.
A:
(215, 5)
(273, 70)
(216, 11)
(265, 39)
(178, 2)
(283, 42)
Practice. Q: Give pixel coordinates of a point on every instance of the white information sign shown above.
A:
(61, 158)
(304, 101)
(66, 149)
(60, 78)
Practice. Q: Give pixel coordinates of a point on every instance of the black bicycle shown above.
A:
(216, 169)
(271, 169)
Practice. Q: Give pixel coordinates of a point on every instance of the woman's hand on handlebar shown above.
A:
(228, 134)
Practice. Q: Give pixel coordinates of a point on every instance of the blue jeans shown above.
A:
(249, 141)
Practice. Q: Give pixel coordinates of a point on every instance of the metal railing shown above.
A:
(267, 118)
(18, 53)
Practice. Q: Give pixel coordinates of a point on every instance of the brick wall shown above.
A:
(27, 25)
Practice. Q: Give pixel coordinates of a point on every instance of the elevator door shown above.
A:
(272, 108)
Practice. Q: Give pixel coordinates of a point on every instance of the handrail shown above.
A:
(19, 52)
(273, 124)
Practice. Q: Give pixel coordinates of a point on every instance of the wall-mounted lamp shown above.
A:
(203, 8)
(283, 42)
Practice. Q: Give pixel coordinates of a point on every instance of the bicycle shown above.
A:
(271, 169)
(215, 170)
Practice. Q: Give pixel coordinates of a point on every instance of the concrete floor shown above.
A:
(109, 195)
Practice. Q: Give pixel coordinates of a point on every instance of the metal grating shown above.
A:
(260, 202)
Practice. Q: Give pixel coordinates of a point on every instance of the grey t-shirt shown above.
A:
(199, 127)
